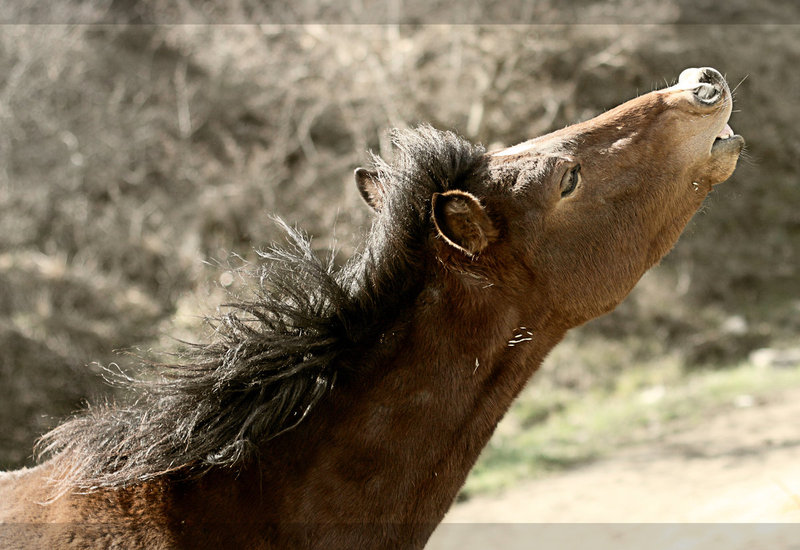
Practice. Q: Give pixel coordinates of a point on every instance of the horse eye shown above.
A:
(570, 180)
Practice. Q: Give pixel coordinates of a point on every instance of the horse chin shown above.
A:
(722, 160)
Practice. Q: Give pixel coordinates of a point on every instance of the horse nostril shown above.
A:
(706, 92)
(706, 82)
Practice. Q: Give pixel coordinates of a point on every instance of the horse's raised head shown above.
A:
(571, 220)
(604, 200)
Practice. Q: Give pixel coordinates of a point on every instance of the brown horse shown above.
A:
(344, 408)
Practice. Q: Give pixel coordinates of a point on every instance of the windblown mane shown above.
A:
(275, 356)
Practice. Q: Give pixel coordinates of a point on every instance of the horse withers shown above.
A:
(343, 408)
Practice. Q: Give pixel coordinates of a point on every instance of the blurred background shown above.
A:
(140, 165)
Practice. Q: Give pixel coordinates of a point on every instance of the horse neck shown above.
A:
(394, 442)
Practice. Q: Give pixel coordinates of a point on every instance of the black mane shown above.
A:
(274, 356)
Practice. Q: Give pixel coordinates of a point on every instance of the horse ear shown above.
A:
(462, 222)
(370, 187)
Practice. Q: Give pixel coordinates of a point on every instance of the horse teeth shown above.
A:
(725, 133)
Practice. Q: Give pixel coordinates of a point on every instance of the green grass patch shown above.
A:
(552, 429)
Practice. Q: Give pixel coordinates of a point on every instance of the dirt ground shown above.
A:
(731, 482)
